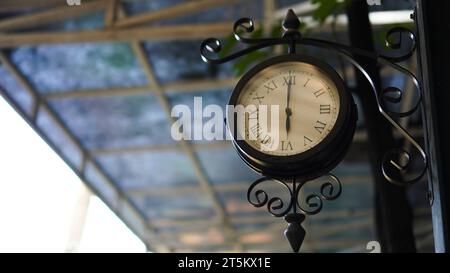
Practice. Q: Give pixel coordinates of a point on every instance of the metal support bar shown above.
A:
(432, 23)
(16, 6)
(205, 184)
(175, 87)
(182, 9)
(51, 15)
(159, 33)
(359, 137)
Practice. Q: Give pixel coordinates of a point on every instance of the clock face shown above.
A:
(308, 102)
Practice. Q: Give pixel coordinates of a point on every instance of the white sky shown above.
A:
(38, 194)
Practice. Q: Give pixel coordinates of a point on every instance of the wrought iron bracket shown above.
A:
(397, 165)
(294, 208)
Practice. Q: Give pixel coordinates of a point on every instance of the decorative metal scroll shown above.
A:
(397, 163)
(258, 197)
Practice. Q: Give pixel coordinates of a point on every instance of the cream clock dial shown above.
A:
(306, 118)
(308, 102)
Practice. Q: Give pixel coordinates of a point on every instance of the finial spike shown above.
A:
(291, 20)
(295, 232)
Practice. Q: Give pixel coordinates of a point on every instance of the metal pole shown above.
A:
(432, 22)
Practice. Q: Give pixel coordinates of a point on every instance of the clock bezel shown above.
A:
(311, 160)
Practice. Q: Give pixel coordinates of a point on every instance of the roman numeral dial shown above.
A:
(308, 107)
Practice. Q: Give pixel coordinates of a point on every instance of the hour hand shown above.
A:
(288, 119)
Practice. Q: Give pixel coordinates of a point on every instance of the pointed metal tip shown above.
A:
(290, 13)
(291, 20)
(295, 232)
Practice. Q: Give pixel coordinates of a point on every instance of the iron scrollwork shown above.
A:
(258, 197)
(291, 208)
(397, 164)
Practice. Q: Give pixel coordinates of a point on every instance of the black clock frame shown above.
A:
(321, 158)
(397, 165)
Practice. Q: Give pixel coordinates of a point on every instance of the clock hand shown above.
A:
(288, 110)
(288, 120)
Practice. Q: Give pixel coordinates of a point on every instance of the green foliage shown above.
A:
(230, 45)
(119, 55)
(241, 66)
(324, 9)
(243, 63)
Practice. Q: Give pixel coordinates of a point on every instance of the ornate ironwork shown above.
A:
(329, 190)
(397, 164)
(291, 208)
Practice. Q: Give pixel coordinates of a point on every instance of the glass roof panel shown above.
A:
(222, 14)
(99, 183)
(223, 165)
(239, 209)
(180, 60)
(15, 90)
(137, 7)
(186, 206)
(119, 121)
(225, 12)
(85, 22)
(67, 67)
(150, 170)
(62, 142)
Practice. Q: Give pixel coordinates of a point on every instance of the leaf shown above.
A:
(325, 8)
(241, 66)
(229, 43)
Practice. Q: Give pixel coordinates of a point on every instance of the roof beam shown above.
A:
(97, 93)
(52, 15)
(276, 246)
(179, 10)
(360, 136)
(321, 232)
(205, 184)
(198, 223)
(300, 9)
(256, 219)
(111, 13)
(224, 187)
(178, 87)
(202, 179)
(182, 86)
(15, 5)
(159, 33)
(160, 148)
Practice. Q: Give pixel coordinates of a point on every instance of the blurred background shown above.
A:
(96, 82)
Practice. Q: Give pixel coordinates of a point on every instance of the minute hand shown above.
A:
(288, 109)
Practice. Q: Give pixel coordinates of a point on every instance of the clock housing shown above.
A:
(320, 158)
